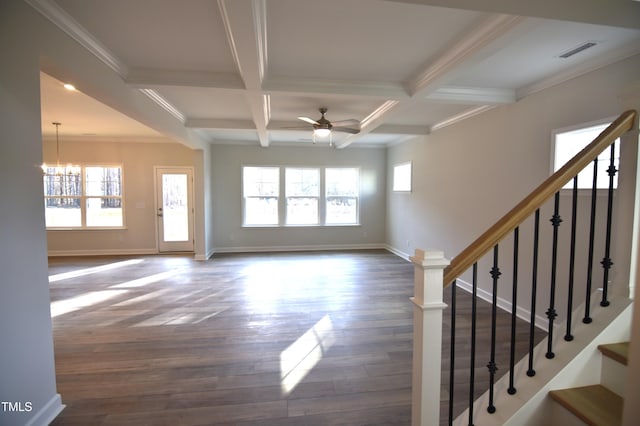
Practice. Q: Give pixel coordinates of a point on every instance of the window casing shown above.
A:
(83, 197)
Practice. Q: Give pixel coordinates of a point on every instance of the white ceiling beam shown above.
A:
(395, 129)
(370, 123)
(462, 51)
(153, 78)
(472, 95)
(246, 28)
(50, 10)
(339, 87)
(433, 75)
(222, 124)
(617, 13)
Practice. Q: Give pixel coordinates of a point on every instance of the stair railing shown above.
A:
(431, 268)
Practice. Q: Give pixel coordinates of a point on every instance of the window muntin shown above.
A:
(402, 177)
(568, 143)
(342, 194)
(83, 197)
(302, 191)
(260, 187)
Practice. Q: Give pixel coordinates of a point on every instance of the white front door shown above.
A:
(174, 209)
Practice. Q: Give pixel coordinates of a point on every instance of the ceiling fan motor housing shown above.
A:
(322, 123)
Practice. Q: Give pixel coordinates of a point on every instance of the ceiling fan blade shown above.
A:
(308, 120)
(347, 123)
(346, 129)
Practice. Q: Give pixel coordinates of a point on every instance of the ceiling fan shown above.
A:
(323, 127)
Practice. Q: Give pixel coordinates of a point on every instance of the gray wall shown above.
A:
(229, 235)
(27, 373)
(468, 175)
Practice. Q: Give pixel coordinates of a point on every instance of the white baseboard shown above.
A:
(397, 252)
(46, 414)
(205, 256)
(103, 252)
(298, 248)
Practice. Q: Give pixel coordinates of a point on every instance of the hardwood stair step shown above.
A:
(595, 405)
(616, 351)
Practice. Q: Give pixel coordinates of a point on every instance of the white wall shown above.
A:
(138, 161)
(468, 175)
(27, 372)
(229, 235)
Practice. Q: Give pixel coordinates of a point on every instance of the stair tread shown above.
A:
(595, 404)
(616, 351)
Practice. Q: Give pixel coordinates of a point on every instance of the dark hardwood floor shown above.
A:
(320, 338)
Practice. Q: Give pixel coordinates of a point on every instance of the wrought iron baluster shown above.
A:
(472, 374)
(514, 299)
(495, 275)
(534, 285)
(587, 305)
(572, 258)
(606, 261)
(556, 220)
(452, 354)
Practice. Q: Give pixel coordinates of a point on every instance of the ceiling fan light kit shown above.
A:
(323, 128)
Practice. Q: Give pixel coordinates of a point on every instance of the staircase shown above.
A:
(598, 404)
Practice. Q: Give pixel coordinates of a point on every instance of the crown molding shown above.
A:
(462, 116)
(601, 61)
(163, 103)
(71, 27)
(149, 78)
(491, 29)
(473, 95)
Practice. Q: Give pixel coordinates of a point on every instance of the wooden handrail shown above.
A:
(537, 198)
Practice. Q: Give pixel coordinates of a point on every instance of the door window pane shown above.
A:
(175, 207)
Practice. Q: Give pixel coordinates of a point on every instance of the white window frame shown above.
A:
(402, 177)
(290, 197)
(585, 178)
(276, 196)
(343, 196)
(84, 197)
(282, 196)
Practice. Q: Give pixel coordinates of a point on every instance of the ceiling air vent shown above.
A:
(578, 49)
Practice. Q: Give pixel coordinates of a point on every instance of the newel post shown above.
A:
(427, 336)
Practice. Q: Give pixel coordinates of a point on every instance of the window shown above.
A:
(306, 196)
(303, 193)
(261, 186)
(568, 143)
(83, 197)
(402, 177)
(342, 190)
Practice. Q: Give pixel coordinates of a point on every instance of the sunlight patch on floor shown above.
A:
(93, 270)
(305, 353)
(86, 300)
(139, 282)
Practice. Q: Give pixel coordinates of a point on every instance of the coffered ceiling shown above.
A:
(241, 71)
